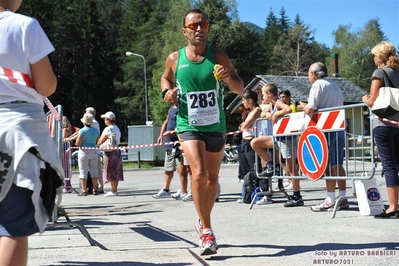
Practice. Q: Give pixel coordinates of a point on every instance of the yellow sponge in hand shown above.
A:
(218, 77)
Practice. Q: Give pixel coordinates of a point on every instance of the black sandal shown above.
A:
(387, 215)
(82, 194)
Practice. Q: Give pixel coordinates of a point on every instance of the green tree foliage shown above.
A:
(245, 59)
(293, 52)
(276, 27)
(170, 39)
(354, 50)
(135, 35)
(296, 50)
(83, 60)
(269, 39)
(218, 15)
(283, 22)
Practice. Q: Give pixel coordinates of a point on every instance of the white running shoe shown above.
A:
(208, 245)
(198, 227)
(288, 185)
(111, 194)
(188, 197)
(323, 206)
(161, 194)
(265, 200)
(67, 190)
(177, 195)
(181, 196)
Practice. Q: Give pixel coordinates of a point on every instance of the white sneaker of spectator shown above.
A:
(162, 194)
(188, 197)
(177, 195)
(111, 194)
(288, 184)
(265, 200)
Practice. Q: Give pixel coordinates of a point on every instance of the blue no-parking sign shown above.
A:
(313, 153)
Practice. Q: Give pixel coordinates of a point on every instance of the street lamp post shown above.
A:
(145, 84)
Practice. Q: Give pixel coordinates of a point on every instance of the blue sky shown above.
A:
(325, 16)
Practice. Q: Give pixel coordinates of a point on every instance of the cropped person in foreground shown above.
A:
(27, 151)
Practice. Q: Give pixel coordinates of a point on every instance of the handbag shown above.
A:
(369, 197)
(387, 102)
(110, 143)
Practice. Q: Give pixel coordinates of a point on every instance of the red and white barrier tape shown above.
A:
(233, 132)
(142, 145)
(52, 108)
(128, 147)
(387, 120)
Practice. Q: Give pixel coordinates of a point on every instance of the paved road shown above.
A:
(135, 229)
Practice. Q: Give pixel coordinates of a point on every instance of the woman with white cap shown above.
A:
(87, 156)
(113, 167)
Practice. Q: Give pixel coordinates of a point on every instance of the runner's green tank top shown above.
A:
(200, 95)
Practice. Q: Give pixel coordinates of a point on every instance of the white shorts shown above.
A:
(88, 160)
(288, 147)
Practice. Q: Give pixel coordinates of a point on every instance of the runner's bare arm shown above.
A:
(168, 78)
(228, 73)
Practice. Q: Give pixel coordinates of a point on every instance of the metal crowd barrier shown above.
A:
(55, 128)
(359, 159)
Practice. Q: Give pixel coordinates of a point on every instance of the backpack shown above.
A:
(253, 185)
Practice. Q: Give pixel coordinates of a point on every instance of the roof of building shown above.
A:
(299, 87)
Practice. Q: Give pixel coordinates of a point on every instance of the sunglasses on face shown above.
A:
(194, 26)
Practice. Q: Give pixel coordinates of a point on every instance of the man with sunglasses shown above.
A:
(201, 121)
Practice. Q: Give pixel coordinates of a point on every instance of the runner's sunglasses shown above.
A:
(194, 26)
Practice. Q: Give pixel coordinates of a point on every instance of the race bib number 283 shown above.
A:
(202, 108)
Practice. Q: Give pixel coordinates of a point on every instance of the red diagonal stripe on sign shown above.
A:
(342, 125)
(315, 118)
(283, 125)
(332, 116)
